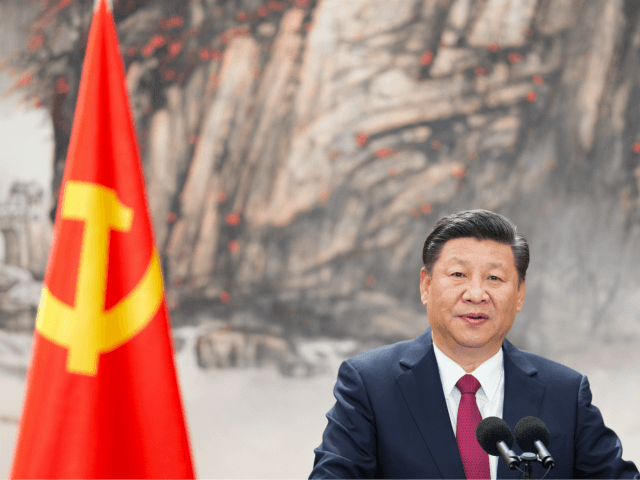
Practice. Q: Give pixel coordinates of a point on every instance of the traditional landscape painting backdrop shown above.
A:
(298, 152)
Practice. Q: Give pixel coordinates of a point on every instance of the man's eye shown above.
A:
(493, 277)
(457, 274)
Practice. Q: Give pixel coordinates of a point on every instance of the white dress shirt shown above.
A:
(490, 396)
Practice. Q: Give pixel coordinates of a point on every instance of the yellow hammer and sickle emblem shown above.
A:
(87, 330)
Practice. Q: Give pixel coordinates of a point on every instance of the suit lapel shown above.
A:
(523, 395)
(422, 390)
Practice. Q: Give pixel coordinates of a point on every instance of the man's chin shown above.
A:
(474, 340)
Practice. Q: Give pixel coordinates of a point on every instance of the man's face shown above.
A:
(472, 297)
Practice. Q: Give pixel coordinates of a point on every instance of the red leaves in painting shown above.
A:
(383, 152)
(64, 3)
(155, 42)
(459, 172)
(167, 23)
(24, 81)
(207, 53)
(275, 5)
(424, 209)
(426, 58)
(515, 57)
(62, 86)
(238, 32)
(169, 75)
(233, 219)
(174, 48)
(35, 43)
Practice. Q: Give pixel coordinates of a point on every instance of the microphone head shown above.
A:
(492, 430)
(530, 429)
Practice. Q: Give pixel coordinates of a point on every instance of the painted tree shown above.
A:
(297, 153)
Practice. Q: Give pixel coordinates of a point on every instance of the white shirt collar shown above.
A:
(488, 373)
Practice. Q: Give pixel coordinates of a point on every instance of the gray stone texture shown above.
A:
(301, 153)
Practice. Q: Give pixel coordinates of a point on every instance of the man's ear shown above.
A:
(521, 295)
(425, 282)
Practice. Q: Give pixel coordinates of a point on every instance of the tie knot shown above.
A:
(468, 384)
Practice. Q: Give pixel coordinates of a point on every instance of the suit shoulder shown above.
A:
(551, 367)
(381, 357)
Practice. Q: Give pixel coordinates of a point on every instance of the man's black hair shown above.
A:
(479, 224)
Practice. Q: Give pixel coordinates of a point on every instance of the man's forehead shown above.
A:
(464, 251)
(464, 261)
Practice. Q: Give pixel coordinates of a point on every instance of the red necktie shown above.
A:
(474, 459)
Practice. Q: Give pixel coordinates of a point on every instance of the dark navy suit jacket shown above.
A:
(390, 419)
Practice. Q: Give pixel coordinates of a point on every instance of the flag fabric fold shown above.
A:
(102, 398)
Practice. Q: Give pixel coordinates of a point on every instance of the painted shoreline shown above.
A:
(255, 423)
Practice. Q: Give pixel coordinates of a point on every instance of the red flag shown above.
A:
(102, 398)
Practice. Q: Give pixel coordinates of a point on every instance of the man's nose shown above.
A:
(475, 293)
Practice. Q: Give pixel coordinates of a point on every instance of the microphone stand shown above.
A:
(527, 458)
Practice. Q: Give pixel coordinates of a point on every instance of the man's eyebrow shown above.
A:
(460, 260)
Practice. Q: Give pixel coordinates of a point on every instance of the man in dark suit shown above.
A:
(410, 410)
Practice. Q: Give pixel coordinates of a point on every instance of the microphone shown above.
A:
(533, 435)
(495, 438)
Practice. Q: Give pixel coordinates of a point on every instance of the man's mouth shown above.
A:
(475, 317)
